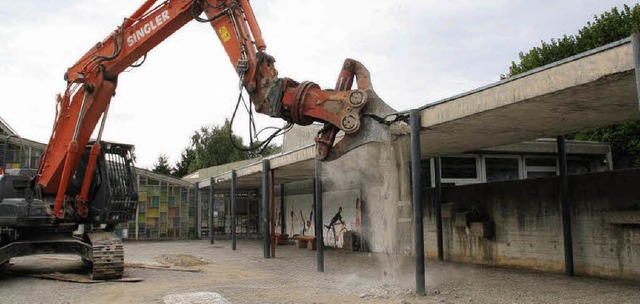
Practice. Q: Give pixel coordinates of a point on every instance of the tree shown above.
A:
(272, 149)
(213, 146)
(216, 145)
(608, 27)
(162, 165)
(181, 168)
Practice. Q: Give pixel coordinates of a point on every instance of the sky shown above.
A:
(418, 52)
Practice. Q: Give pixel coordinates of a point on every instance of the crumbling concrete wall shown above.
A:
(518, 224)
(300, 136)
(376, 169)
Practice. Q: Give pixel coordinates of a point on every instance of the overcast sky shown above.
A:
(417, 51)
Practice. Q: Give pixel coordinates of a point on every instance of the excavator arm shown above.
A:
(92, 82)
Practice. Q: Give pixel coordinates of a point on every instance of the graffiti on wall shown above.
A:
(342, 213)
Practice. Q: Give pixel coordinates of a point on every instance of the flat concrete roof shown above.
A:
(290, 166)
(593, 89)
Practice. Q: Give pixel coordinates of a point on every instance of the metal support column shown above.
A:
(272, 211)
(416, 186)
(265, 208)
(198, 222)
(212, 204)
(565, 207)
(317, 200)
(283, 217)
(438, 203)
(233, 209)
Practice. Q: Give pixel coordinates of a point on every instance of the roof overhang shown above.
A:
(287, 167)
(592, 89)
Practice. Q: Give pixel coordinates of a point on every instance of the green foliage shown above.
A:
(271, 149)
(187, 157)
(624, 140)
(162, 165)
(546, 53)
(215, 145)
(608, 27)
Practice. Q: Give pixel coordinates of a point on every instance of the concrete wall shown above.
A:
(300, 136)
(300, 211)
(377, 170)
(525, 229)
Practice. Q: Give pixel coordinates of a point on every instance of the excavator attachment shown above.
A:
(375, 116)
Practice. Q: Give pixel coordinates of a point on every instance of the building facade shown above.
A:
(166, 208)
(17, 152)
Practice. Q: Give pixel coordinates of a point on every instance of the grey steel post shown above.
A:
(565, 207)
(233, 209)
(272, 213)
(283, 225)
(198, 212)
(438, 203)
(266, 167)
(417, 201)
(317, 200)
(212, 204)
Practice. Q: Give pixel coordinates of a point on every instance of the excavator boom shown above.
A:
(93, 183)
(92, 82)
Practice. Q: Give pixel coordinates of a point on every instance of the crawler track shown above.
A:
(108, 256)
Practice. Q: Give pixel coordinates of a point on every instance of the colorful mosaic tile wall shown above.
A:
(165, 210)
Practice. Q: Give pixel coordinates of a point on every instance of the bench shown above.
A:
(306, 241)
(282, 239)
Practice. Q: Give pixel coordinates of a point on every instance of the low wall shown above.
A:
(518, 224)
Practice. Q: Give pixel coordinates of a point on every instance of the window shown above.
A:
(540, 166)
(459, 167)
(540, 161)
(11, 156)
(578, 166)
(426, 173)
(502, 169)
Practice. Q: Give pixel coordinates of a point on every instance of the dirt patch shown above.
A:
(180, 260)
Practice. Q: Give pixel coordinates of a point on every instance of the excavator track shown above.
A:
(108, 256)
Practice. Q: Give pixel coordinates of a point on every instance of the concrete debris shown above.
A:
(181, 260)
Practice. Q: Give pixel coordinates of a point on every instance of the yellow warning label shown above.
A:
(224, 33)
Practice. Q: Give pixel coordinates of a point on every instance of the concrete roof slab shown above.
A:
(590, 90)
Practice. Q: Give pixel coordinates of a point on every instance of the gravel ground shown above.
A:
(244, 276)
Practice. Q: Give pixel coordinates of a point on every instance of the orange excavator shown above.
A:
(91, 184)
